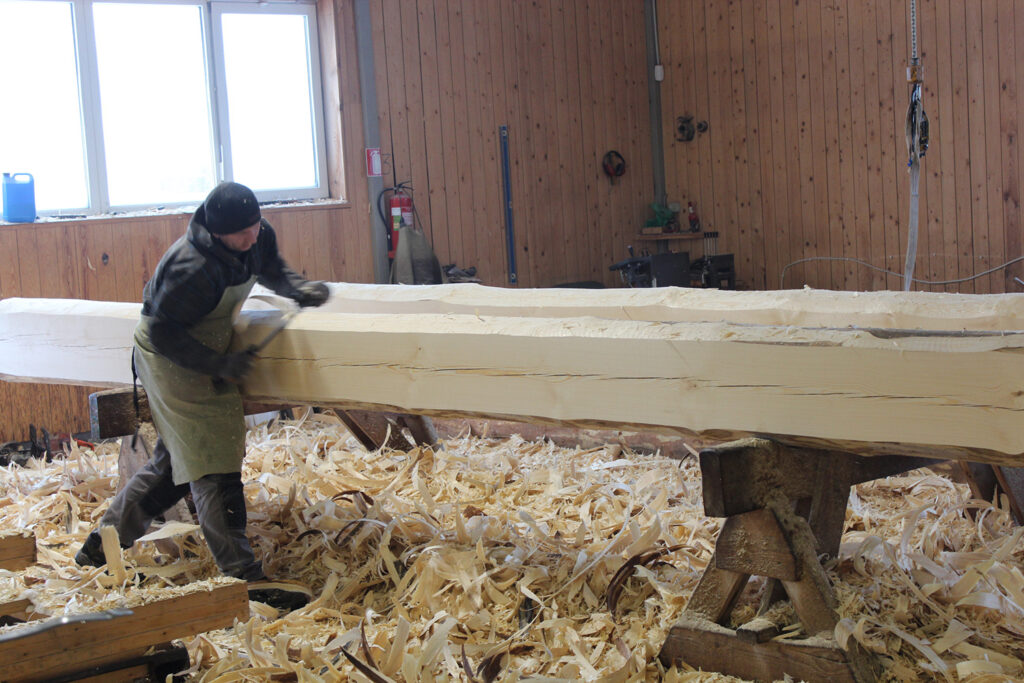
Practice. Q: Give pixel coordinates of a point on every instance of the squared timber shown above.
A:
(77, 646)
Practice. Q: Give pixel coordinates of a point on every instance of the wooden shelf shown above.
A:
(672, 236)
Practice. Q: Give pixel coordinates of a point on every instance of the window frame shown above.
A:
(221, 114)
(91, 113)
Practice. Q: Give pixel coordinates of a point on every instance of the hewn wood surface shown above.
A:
(74, 647)
(703, 644)
(17, 551)
(937, 393)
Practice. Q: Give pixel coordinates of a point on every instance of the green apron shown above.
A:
(201, 423)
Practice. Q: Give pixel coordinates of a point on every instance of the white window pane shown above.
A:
(269, 100)
(40, 117)
(153, 93)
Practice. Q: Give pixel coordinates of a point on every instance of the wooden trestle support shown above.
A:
(784, 508)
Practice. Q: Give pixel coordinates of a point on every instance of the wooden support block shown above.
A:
(758, 630)
(813, 605)
(17, 551)
(1011, 481)
(112, 412)
(716, 592)
(753, 544)
(711, 647)
(733, 474)
(376, 429)
(78, 646)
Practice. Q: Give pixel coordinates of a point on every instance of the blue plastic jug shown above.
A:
(19, 198)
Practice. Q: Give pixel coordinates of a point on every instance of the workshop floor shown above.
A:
(448, 559)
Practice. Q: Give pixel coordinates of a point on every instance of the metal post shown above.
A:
(654, 98)
(371, 135)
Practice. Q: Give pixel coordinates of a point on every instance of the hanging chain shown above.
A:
(913, 31)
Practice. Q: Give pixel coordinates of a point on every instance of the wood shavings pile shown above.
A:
(498, 556)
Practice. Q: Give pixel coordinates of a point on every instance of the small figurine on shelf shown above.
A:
(694, 218)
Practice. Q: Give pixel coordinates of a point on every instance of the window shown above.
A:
(117, 105)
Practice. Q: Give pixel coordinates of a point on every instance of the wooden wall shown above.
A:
(805, 153)
(568, 79)
(111, 260)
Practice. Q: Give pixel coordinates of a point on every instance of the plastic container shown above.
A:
(19, 198)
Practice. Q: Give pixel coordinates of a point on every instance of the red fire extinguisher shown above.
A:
(401, 214)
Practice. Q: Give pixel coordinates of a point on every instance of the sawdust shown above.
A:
(498, 555)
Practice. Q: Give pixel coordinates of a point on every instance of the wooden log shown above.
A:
(670, 445)
(112, 412)
(796, 307)
(935, 393)
(17, 551)
(711, 647)
(77, 646)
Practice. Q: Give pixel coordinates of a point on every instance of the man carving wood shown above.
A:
(191, 378)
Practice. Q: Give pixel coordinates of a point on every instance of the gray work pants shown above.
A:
(220, 506)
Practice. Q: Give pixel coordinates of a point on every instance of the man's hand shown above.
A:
(235, 366)
(312, 293)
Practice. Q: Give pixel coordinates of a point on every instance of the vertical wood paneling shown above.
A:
(434, 211)
(962, 192)
(825, 81)
(992, 58)
(1010, 184)
(738, 128)
(768, 210)
(819, 183)
(978, 157)
(449, 158)
(890, 79)
(600, 60)
(475, 233)
(589, 231)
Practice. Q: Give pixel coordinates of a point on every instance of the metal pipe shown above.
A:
(654, 101)
(371, 136)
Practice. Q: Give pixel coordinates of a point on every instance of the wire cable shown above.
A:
(782, 276)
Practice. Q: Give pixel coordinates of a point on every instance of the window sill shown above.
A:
(272, 207)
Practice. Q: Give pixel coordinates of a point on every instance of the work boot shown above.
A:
(281, 595)
(91, 552)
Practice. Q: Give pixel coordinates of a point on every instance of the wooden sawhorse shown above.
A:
(784, 507)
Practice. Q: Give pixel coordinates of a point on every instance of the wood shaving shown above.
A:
(497, 556)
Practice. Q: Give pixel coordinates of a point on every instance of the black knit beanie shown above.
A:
(230, 207)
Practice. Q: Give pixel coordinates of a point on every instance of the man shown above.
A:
(191, 380)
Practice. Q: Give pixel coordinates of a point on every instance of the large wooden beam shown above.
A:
(931, 392)
(47, 652)
(797, 307)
